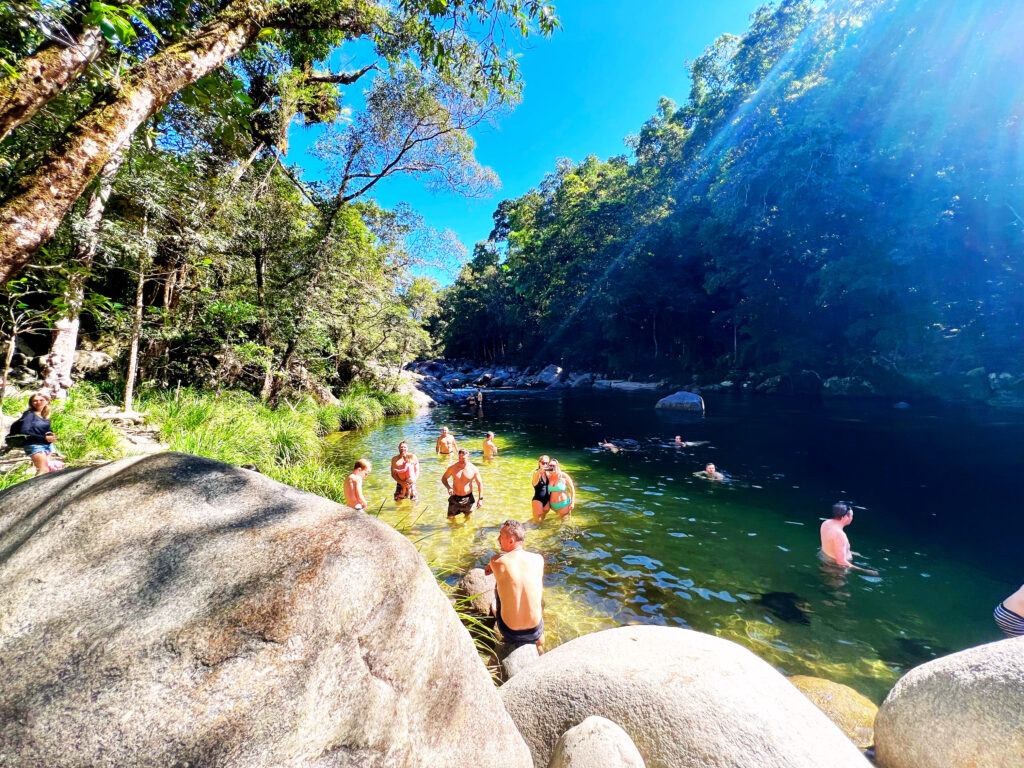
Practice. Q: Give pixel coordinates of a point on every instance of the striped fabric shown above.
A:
(1011, 623)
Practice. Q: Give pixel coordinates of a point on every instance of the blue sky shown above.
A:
(586, 88)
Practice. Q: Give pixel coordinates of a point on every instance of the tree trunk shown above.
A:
(11, 342)
(44, 76)
(133, 356)
(57, 371)
(32, 214)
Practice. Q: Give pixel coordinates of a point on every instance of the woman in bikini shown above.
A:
(541, 498)
(562, 490)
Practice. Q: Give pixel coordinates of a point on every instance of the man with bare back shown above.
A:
(519, 588)
(354, 484)
(835, 546)
(462, 475)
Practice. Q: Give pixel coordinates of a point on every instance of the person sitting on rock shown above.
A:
(490, 449)
(1009, 614)
(354, 484)
(519, 588)
(445, 443)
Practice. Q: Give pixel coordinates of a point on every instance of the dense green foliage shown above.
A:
(840, 191)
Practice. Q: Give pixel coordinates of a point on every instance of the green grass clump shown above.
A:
(395, 403)
(357, 411)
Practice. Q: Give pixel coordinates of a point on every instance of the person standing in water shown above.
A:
(490, 449)
(354, 484)
(835, 545)
(541, 501)
(518, 588)
(405, 469)
(460, 493)
(445, 443)
(562, 489)
(1009, 614)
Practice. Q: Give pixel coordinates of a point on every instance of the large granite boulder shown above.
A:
(549, 375)
(596, 743)
(682, 401)
(90, 361)
(688, 700)
(965, 710)
(171, 611)
(853, 712)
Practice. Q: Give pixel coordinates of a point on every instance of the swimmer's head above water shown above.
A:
(841, 509)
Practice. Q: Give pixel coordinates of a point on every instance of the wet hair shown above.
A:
(711, 467)
(463, 451)
(490, 434)
(841, 509)
(45, 411)
(363, 464)
(515, 528)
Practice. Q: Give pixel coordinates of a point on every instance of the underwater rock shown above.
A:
(853, 712)
(786, 606)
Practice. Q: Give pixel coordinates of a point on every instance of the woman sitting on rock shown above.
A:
(34, 424)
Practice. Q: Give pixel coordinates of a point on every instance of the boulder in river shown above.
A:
(596, 743)
(549, 375)
(688, 700)
(479, 588)
(172, 610)
(682, 401)
(853, 712)
(965, 710)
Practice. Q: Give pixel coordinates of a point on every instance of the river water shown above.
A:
(936, 491)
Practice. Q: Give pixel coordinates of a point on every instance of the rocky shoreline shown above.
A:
(438, 377)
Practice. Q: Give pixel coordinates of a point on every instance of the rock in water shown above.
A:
(688, 700)
(171, 610)
(479, 588)
(853, 712)
(965, 710)
(682, 401)
(596, 743)
(519, 658)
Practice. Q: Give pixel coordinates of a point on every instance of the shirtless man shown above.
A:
(460, 493)
(835, 546)
(490, 449)
(354, 484)
(713, 474)
(1009, 614)
(519, 588)
(405, 469)
(445, 443)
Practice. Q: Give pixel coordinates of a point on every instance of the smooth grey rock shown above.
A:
(581, 380)
(596, 743)
(171, 610)
(848, 386)
(682, 401)
(480, 588)
(519, 658)
(965, 710)
(549, 375)
(628, 386)
(688, 700)
(88, 361)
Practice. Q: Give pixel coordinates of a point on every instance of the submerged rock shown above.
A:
(596, 743)
(518, 659)
(687, 700)
(965, 710)
(682, 401)
(853, 712)
(172, 610)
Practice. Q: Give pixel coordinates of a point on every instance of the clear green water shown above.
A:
(651, 543)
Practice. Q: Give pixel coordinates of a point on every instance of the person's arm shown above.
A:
(414, 470)
(489, 568)
(572, 489)
(479, 488)
(394, 473)
(444, 480)
(437, 446)
(535, 477)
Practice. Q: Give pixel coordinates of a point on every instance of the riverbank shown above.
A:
(995, 389)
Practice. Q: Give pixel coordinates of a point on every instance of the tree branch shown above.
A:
(345, 78)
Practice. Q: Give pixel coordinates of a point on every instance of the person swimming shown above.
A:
(561, 488)
(712, 473)
(490, 449)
